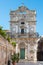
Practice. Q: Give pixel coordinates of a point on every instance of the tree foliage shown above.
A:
(8, 38)
(14, 44)
(2, 32)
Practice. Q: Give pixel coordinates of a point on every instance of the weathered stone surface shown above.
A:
(6, 50)
(23, 28)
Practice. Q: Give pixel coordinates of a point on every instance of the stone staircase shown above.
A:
(25, 60)
(22, 60)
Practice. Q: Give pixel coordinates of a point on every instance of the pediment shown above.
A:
(22, 9)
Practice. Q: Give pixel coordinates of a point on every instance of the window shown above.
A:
(22, 31)
(22, 22)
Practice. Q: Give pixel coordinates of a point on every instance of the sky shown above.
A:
(7, 5)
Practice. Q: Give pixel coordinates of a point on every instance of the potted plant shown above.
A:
(15, 58)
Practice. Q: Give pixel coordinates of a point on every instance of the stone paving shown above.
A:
(30, 63)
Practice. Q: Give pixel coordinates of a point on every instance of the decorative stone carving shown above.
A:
(26, 40)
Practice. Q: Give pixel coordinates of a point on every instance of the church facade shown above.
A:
(23, 32)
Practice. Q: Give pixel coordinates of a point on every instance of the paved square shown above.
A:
(30, 63)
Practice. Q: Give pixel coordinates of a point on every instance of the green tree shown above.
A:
(2, 32)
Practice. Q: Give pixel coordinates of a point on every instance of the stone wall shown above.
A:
(6, 50)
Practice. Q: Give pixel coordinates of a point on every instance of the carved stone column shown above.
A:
(35, 52)
(26, 53)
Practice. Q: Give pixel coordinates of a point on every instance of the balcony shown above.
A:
(27, 35)
(24, 35)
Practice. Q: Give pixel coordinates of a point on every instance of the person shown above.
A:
(8, 62)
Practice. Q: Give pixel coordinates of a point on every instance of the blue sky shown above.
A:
(7, 5)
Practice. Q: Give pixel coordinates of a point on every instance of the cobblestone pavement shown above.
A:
(30, 63)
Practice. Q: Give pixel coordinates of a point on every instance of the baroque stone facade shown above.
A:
(23, 31)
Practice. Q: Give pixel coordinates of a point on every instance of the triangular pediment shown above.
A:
(22, 9)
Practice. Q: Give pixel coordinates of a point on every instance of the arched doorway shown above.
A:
(22, 53)
(22, 50)
(40, 50)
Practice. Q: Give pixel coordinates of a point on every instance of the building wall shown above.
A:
(28, 39)
(6, 50)
(16, 17)
(30, 46)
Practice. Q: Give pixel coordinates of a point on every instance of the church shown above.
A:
(23, 32)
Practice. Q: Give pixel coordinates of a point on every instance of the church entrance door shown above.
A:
(22, 53)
